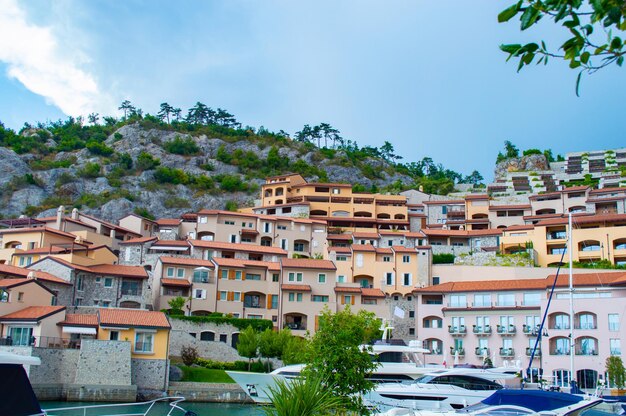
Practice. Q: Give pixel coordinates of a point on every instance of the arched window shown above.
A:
(207, 336)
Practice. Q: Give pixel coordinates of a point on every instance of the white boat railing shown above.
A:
(173, 402)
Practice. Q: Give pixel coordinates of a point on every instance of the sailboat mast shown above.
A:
(571, 300)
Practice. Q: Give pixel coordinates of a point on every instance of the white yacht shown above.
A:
(447, 389)
(398, 363)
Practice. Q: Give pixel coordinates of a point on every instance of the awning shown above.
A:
(79, 330)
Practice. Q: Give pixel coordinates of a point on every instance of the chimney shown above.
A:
(60, 213)
(75, 214)
(31, 275)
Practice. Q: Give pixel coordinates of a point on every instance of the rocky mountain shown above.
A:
(161, 171)
(529, 163)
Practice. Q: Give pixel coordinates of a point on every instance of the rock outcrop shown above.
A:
(530, 163)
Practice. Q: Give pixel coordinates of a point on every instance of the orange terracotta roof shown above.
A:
(372, 293)
(185, 261)
(224, 262)
(461, 233)
(118, 270)
(297, 288)
(139, 240)
(402, 249)
(250, 248)
(446, 202)
(79, 319)
(171, 243)
(175, 282)
(44, 250)
(341, 237)
(384, 250)
(168, 222)
(519, 228)
(109, 224)
(372, 236)
(474, 196)
(8, 283)
(392, 232)
(576, 188)
(32, 313)
(416, 234)
(363, 247)
(19, 271)
(132, 318)
(347, 289)
(607, 190)
(307, 264)
(342, 250)
(584, 219)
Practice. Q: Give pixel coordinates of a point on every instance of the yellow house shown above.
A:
(16, 240)
(147, 331)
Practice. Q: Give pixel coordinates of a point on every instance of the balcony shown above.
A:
(586, 352)
(460, 330)
(481, 352)
(506, 330)
(529, 352)
(530, 329)
(559, 351)
(556, 235)
(482, 330)
(507, 352)
(455, 351)
(42, 342)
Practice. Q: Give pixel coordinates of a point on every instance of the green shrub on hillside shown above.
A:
(89, 171)
(443, 258)
(180, 146)
(98, 148)
(146, 161)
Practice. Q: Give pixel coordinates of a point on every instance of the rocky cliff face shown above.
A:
(530, 163)
(35, 191)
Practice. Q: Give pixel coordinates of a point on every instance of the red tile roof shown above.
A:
(461, 233)
(132, 318)
(37, 230)
(340, 237)
(250, 248)
(171, 243)
(607, 190)
(363, 247)
(307, 264)
(168, 222)
(402, 249)
(184, 261)
(19, 271)
(139, 240)
(32, 313)
(384, 250)
(519, 228)
(78, 319)
(105, 269)
(372, 293)
(576, 188)
(224, 262)
(371, 236)
(584, 219)
(347, 289)
(297, 288)
(501, 207)
(342, 250)
(475, 196)
(175, 282)
(445, 202)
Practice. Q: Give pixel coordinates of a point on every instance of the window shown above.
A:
(20, 296)
(79, 283)
(457, 322)
(586, 321)
(411, 314)
(319, 298)
(298, 246)
(560, 378)
(482, 324)
(292, 296)
(406, 280)
(275, 277)
(223, 295)
(224, 274)
(299, 297)
(274, 301)
(238, 274)
(131, 288)
(613, 322)
(341, 279)
(170, 272)
(229, 222)
(201, 276)
(267, 227)
(199, 294)
(505, 321)
(106, 303)
(21, 335)
(386, 259)
(237, 296)
(281, 227)
(114, 336)
(4, 296)
(98, 279)
(458, 301)
(561, 321)
(389, 279)
(144, 342)
(180, 273)
(615, 345)
(506, 299)
(342, 258)
(202, 220)
(321, 278)
(406, 258)
(253, 276)
(411, 331)
(482, 300)
(284, 243)
(359, 260)
(532, 299)
(435, 280)
(78, 302)
(533, 322)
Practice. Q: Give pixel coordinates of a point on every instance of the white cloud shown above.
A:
(38, 59)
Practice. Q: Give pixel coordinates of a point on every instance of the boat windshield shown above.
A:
(424, 379)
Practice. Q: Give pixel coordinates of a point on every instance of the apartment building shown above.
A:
(594, 238)
(467, 321)
(335, 203)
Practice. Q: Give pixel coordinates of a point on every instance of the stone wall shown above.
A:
(402, 326)
(57, 366)
(150, 374)
(209, 392)
(180, 336)
(491, 259)
(104, 362)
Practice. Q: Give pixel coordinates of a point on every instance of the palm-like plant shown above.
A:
(308, 396)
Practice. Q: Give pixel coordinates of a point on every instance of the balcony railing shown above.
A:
(560, 326)
(458, 330)
(586, 352)
(586, 326)
(457, 305)
(529, 351)
(561, 235)
(559, 351)
(295, 326)
(460, 351)
(252, 304)
(506, 329)
(482, 330)
(41, 342)
(482, 305)
(530, 329)
(507, 352)
(131, 292)
(482, 351)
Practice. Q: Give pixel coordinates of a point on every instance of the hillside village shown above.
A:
(467, 273)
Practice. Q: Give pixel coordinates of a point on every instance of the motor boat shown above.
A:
(451, 389)
(398, 363)
(17, 397)
(514, 402)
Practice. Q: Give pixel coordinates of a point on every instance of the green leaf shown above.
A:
(528, 58)
(531, 47)
(620, 60)
(529, 17)
(616, 43)
(578, 82)
(600, 49)
(511, 49)
(574, 64)
(543, 45)
(584, 58)
(508, 13)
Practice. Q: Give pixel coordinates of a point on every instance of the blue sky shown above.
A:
(425, 75)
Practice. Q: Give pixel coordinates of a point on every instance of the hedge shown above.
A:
(240, 323)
